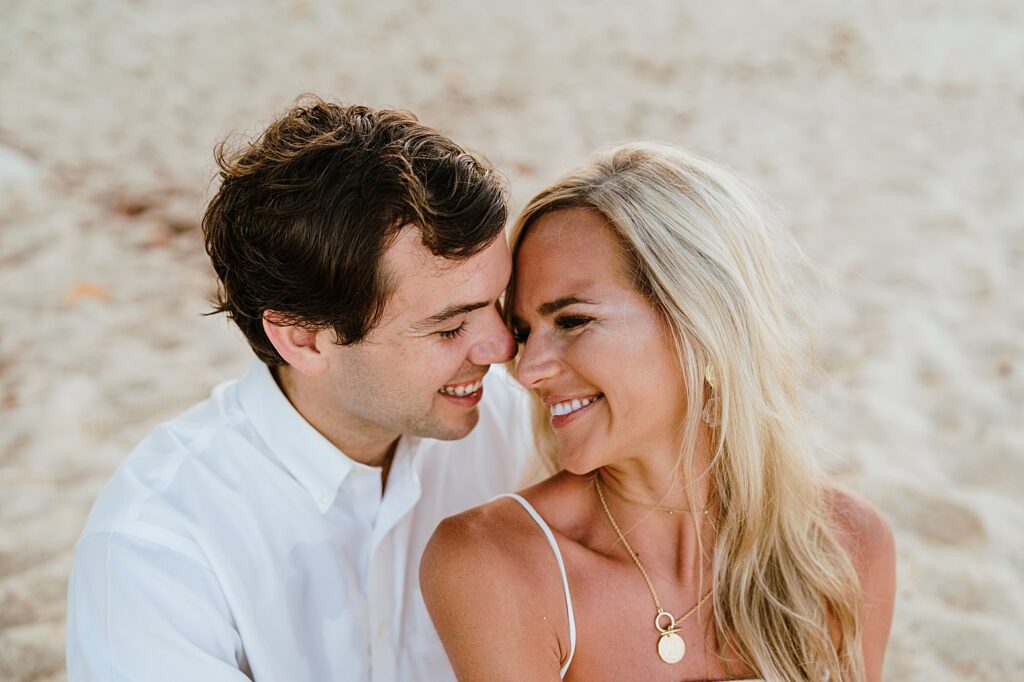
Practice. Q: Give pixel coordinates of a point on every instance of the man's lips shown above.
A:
(464, 388)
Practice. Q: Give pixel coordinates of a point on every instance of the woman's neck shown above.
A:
(663, 508)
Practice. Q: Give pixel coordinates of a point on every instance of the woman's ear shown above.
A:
(298, 346)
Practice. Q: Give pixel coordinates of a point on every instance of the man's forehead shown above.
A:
(425, 285)
(408, 256)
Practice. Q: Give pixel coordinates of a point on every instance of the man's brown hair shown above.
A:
(304, 214)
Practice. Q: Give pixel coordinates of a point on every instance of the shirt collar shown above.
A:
(311, 459)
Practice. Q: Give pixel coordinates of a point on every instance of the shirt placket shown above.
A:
(381, 601)
(361, 492)
(387, 564)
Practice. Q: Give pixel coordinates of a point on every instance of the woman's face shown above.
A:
(593, 349)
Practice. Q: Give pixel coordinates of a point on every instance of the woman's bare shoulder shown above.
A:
(868, 539)
(479, 536)
(863, 530)
(499, 534)
(487, 561)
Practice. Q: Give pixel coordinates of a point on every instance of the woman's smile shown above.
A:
(567, 411)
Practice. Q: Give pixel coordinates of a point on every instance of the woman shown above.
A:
(685, 535)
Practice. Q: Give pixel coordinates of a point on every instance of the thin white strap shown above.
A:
(561, 569)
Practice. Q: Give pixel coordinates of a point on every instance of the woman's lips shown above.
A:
(576, 407)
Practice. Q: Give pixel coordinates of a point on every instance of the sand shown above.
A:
(890, 134)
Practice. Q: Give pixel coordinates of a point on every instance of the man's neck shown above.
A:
(362, 441)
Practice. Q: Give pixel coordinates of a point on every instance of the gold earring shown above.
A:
(712, 406)
(711, 411)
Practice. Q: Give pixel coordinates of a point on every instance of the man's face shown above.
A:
(419, 371)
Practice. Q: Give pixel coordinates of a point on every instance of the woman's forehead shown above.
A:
(569, 253)
(569, 244)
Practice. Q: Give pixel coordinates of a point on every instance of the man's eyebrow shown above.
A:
(559, 303)
(450, 312)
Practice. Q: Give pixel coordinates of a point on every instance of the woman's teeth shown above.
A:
(463, 390)
(570, 406)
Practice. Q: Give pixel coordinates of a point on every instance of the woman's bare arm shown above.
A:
(491, 619)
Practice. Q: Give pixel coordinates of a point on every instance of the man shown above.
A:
(273, 532)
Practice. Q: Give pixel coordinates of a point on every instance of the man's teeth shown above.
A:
(462, 390)
(570, 406)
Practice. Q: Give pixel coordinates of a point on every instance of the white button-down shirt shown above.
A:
(237, 543)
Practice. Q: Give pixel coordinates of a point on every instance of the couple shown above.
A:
(344, 510)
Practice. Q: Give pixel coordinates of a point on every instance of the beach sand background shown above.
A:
(890, 134)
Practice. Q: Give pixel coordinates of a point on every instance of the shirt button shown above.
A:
(322, 500)
(381, 630)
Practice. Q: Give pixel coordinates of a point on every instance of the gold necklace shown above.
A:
(655, 507)
(671, 647)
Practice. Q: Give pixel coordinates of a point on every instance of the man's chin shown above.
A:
(453, 429)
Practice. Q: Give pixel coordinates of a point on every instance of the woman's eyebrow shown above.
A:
(546, 309)
(550, 307)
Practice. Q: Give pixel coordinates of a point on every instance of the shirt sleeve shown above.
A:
(138, 610)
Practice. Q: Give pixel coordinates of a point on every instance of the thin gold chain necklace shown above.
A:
(671, 647)
(655, 507)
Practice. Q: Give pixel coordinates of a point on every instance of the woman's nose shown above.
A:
(537, 363)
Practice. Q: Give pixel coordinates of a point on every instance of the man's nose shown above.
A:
(496, 346)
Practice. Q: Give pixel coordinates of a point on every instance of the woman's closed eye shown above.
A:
(564, 323)
(571, 322)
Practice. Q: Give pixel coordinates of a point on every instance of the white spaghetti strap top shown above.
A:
(561, 569)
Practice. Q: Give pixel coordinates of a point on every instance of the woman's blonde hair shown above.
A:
(708, 256)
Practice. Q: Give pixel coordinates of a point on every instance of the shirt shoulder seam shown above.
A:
(153, 535)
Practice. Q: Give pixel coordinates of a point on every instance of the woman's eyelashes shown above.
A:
(569, 322)
(564, 323)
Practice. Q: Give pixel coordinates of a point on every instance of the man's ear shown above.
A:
(298, 346)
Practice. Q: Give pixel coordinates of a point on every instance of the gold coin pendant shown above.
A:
(671, 647)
